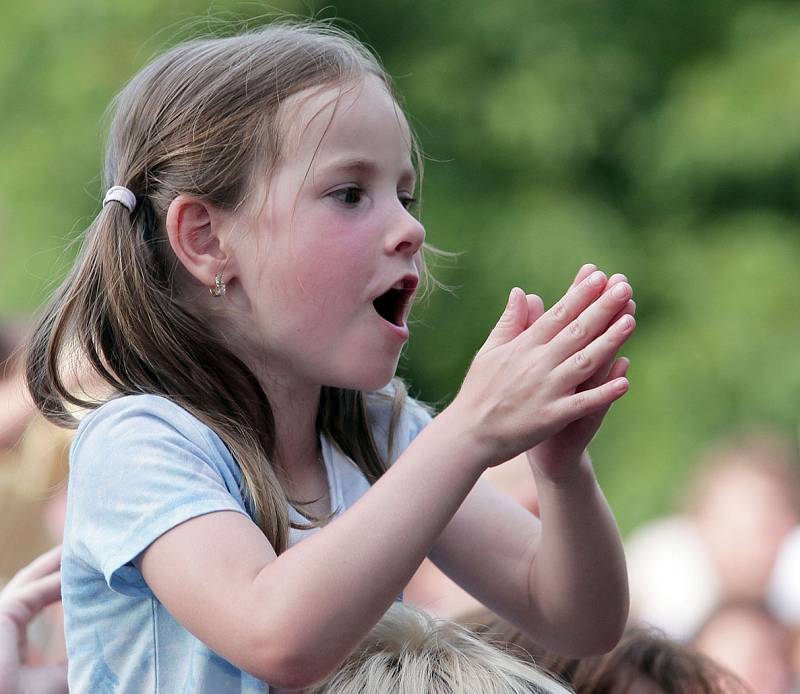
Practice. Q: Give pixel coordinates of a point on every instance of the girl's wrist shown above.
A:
(562, 474)
(473, 452)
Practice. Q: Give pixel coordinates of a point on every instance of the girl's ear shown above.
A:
(195, 229)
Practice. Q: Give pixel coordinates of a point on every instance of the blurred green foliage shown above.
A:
(656, 139)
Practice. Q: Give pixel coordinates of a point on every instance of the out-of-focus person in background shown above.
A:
(644, 662)
(16, 407)
(33, 471)
(748, 639)
(410, 652)
(30, 591)
(33, 467)
(740, 506)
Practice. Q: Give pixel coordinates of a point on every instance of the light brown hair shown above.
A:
(202, 119)
(644, 661)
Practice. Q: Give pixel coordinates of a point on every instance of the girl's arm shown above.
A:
(569, 569)
(292, 619)
(561, 579)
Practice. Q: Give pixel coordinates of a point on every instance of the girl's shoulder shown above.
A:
(129, 420)
(395, 417)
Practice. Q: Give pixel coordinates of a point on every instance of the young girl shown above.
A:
(242, 296)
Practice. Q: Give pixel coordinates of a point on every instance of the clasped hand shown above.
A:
(544, 380)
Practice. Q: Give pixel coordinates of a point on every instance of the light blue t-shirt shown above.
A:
(140, 465)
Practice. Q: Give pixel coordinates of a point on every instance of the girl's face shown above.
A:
(328, 276)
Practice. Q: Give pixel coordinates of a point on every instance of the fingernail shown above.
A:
(625, 323)
(596, 278)
(511, 296)
(620, 291)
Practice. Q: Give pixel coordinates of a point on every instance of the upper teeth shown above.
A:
(398, 285)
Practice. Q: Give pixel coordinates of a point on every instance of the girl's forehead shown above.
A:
(341, 116)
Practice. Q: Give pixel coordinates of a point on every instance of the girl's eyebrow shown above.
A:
(366, 167)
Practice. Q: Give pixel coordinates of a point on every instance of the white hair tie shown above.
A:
(121, 195)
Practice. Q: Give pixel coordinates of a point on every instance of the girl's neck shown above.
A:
(294, 409)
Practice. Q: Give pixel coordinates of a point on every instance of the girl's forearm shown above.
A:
(352, 570)
(579, 577)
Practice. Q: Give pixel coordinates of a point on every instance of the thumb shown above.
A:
(512, 322)
(535, 309)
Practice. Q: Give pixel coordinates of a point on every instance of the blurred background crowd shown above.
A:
(656, 139)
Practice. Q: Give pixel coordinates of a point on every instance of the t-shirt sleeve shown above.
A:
(139, 466)
(413, 420)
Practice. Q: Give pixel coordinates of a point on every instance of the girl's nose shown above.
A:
(406, 236)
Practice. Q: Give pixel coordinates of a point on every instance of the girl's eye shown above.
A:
(410, 203)
(348, 196)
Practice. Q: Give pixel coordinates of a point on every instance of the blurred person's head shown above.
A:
(12, 335)
(410, 652)
(644, 662)
(748, 640)
(744, 499)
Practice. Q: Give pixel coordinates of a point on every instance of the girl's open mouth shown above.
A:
(395, 303)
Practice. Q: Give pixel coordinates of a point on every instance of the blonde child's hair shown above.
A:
(409, 652)
(202, 119)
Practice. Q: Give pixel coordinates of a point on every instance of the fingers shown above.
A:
(619, 368)
(591, 365)
(614, 368)
(630, 310)
(615, 371)
(630, 307)
(535, 309)
(583, 273)
(565, 311)
(33, 588)
(40, 593)
(43, 564)
(587, 402)
(593, 321)
(512, 322)
(602, 372)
